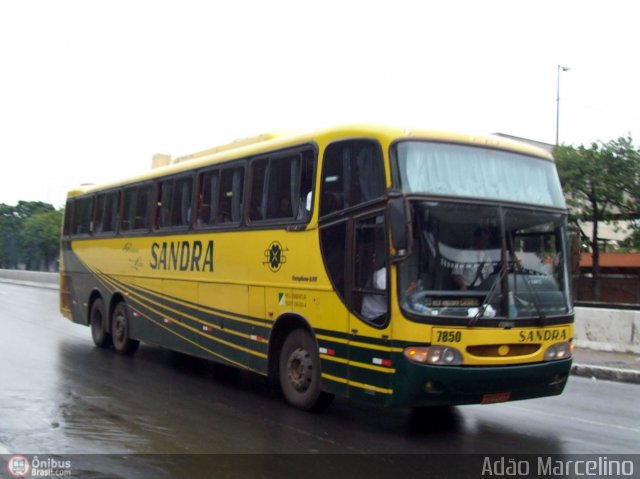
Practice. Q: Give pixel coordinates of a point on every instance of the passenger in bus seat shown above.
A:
(204, 214)
(224, 211)
(304, 209)
(375, 305)
(284, 208)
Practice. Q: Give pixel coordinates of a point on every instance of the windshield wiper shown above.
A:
(487, 300)
(517, 269)
(534, 295)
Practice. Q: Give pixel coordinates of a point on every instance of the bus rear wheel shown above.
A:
(122, 343)
(98, 319)
(299, 372)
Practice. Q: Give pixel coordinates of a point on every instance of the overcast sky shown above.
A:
(90, 90)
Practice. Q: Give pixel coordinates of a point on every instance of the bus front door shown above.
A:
(370, 365)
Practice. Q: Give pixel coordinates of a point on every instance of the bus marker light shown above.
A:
(433, 387)
(382, 362)
(327, 351)
(417, 354)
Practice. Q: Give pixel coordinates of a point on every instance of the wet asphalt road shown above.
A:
(61, 395)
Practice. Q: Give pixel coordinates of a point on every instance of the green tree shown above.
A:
(632, 243)
(40, 235)
(9, 237)
(29, 233)
(601, 183)
(27, 209)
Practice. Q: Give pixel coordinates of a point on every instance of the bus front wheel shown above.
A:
(98, 319)
(122, 343)
(300, 372)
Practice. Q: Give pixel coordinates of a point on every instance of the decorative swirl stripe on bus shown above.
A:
(200, 325)
(187, 322)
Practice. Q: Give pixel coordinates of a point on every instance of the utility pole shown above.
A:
(560, 69)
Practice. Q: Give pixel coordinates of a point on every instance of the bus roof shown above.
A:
(267, 142)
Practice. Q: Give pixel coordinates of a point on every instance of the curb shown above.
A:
(607, 373)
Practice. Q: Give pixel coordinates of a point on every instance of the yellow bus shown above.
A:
(401, 267)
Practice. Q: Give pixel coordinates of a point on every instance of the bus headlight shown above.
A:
(441, 355)
(559, 351)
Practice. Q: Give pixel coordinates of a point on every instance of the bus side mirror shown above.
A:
(400, 226)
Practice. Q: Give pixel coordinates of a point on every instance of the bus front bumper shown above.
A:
(426, 385)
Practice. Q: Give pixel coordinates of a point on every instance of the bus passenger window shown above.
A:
(231, 195)
(83, 216)
(181, 204)
(107, 212)
(352, 174)
(281, 173)
(136, 208)
(305, 202)
(282, 187)
(258, 177)
(220, 197)
(272, 188)
(143, 207)
(165, 191)
(207, 194)
(174, 203)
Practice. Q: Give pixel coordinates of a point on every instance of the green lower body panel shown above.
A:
(423, 385)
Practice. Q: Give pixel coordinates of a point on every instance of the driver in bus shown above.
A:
(477, 265)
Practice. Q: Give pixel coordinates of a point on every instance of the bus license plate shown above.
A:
(495, 398)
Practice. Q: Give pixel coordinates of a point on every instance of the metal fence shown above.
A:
(614, 288)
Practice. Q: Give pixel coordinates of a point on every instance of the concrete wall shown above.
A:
(608, 329)
(595, 328)
(30, 278)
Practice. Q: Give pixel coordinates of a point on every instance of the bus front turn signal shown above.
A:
(439, 355)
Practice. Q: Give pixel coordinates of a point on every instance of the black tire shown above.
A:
(99, 320)
(122, 343)
(299, 372)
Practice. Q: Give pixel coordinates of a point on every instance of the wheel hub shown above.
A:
(118, 326)
(300, 369)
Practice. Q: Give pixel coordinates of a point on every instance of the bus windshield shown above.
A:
(457, 170)
(479, 262)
